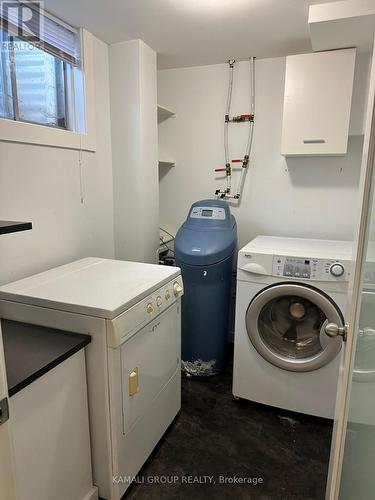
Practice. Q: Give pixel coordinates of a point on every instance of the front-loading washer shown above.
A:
(288, 290)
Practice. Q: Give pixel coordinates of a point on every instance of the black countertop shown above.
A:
(7, 226)
(31, 351)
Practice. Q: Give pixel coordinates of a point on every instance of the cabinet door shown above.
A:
(153, 356)
(317, 103)
(7, 462)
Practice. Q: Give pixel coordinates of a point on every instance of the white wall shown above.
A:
(42, 185)
(135, 150)
(311, 197)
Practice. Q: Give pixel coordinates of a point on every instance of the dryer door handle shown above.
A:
(254, 269)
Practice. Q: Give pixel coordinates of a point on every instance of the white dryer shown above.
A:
(288, 290)
(132, 312)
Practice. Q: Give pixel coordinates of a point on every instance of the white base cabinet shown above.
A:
(50, 429)
(317, 103)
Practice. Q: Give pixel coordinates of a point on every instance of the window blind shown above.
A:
(41, 29)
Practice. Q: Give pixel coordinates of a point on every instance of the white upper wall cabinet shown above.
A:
(317, 103)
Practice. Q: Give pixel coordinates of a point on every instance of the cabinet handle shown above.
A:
(133, 382)
(314, 141)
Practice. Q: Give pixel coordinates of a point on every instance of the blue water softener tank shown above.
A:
(204, 250)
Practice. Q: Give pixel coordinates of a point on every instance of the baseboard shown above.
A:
(93, 494)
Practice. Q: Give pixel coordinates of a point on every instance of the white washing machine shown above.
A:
(288, 290)
(132, 312)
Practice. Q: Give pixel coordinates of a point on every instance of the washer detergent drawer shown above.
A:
(148, 360)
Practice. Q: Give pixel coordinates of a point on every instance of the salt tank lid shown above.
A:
(205, 241)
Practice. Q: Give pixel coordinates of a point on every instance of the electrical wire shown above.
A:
(169, 249)
(80, 170)
(166, 232)
(164, 243)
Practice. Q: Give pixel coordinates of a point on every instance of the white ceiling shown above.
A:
(196, 32)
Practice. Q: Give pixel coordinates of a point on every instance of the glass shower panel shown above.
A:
(358, 477)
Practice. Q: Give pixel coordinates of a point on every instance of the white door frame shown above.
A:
(366, 191)
(7, 462)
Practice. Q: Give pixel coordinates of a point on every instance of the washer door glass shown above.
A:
(286, 323)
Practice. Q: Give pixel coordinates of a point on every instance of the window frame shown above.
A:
(69, 94)
(42, 135)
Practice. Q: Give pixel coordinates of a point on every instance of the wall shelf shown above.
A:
(7, 227)
(164, 114)
(166, 163)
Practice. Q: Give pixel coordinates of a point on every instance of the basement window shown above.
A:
(41, 80)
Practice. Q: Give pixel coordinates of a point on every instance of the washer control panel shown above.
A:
(208, 213)
(309, 268)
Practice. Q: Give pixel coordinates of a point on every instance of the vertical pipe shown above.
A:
(241, 183)
(226, 126)
(252, 104)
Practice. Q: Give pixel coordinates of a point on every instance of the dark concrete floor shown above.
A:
(215, 436)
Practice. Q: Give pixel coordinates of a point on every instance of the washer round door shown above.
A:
(286, 325)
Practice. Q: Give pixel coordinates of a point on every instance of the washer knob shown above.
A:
(149, 308)
(159, 301)
(177, 288)
(167, 295)
(337, 270)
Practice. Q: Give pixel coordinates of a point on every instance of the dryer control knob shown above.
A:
(149, 308)
(159, 301)
(177, 288)
(337, 270)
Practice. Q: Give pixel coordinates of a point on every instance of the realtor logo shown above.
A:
(23, 19)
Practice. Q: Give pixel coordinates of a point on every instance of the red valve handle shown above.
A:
(224, 169)
(237, 161)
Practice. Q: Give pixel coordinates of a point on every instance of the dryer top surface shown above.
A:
(96, 287)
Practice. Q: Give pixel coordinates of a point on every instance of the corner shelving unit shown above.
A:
(164, 114)
(7, 227)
